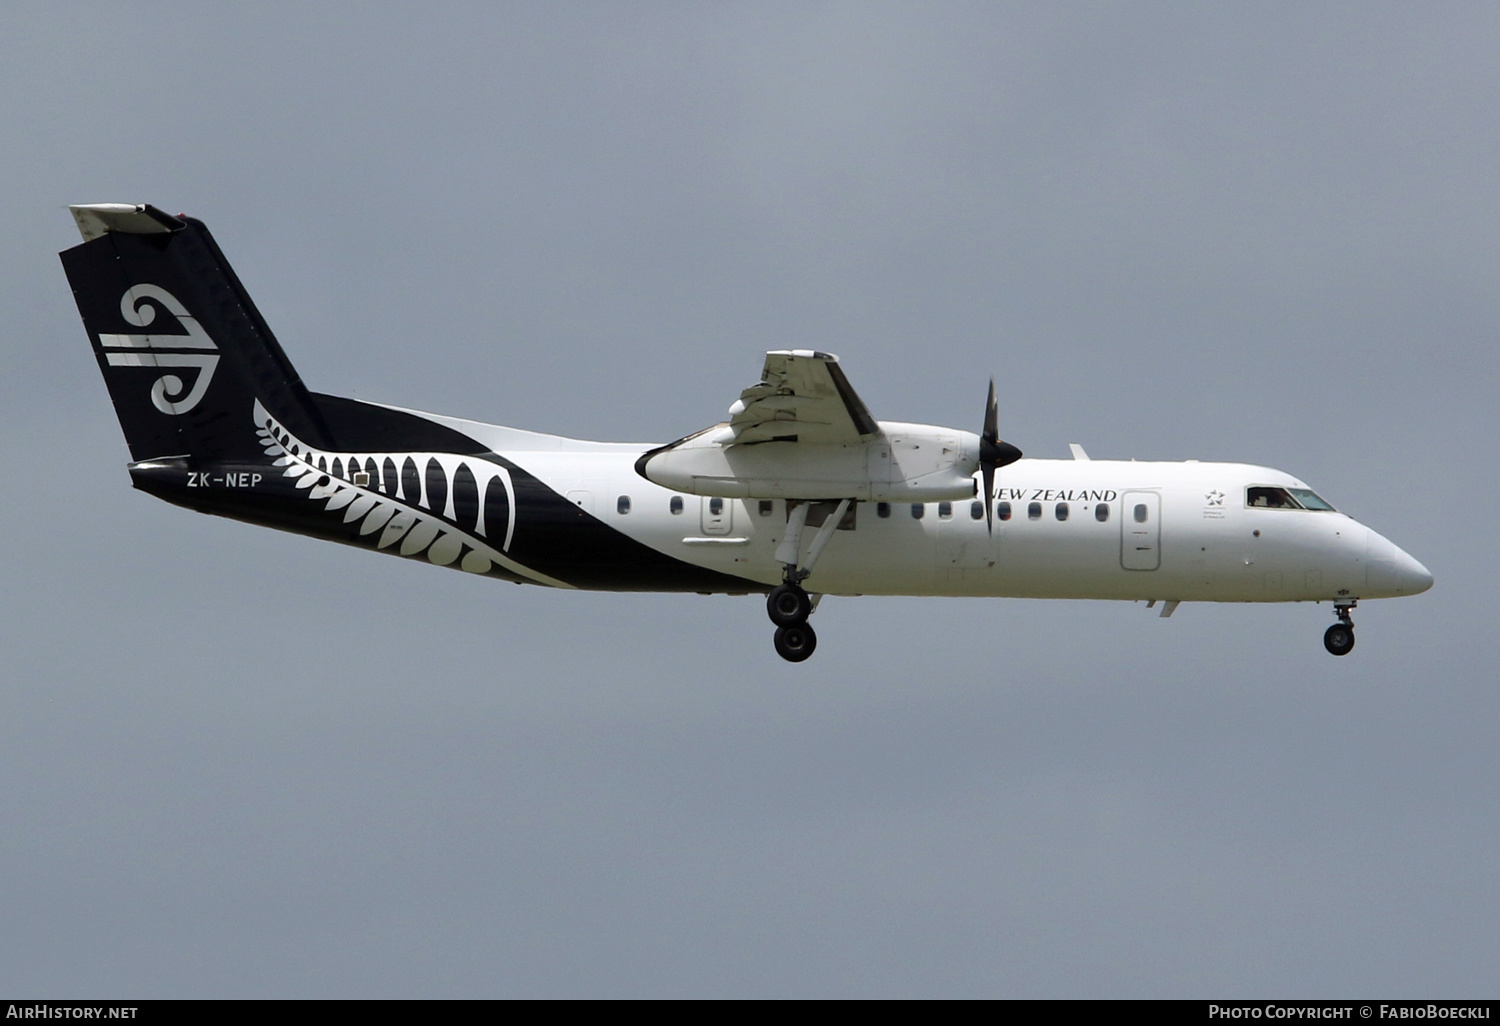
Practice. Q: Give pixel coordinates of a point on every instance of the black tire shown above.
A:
(1339, 639)
(788, 605)
(795, 642)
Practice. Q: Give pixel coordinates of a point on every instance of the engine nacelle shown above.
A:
(901, 463)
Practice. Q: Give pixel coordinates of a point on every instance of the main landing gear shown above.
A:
(1339, 639)
(789, 605)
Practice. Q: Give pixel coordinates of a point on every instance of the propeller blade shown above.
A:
(991, 417)
(988, 469)
(993, 454)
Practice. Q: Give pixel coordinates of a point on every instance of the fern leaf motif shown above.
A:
(395, 497)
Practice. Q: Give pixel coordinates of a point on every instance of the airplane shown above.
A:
(799, 494)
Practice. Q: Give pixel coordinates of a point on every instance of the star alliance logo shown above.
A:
(1214, 508)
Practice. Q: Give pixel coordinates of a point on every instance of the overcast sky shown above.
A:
(235, 762)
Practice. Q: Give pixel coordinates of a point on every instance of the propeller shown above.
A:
(993, 454)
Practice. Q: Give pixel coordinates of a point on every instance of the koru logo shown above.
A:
(138, 306)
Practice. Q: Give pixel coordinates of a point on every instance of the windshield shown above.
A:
(1268, 497)
(1309, 499)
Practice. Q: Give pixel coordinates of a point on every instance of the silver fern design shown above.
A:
(395, 497)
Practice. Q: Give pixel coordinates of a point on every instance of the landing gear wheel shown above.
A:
(795, 642)
(1339, 639)
(788, 605)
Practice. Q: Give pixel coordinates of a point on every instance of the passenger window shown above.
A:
(917, 509)
(1034, 511)
(1062, 511)
(1140, 513)
(765, 507)
(1101, 512)
(945, 510)
(338, 467)
(976, 510)
(882, 510)
(716, 506)
(622, 504)
(1003, 511)
(675, 505)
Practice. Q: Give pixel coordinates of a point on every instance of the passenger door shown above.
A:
(1140, 530)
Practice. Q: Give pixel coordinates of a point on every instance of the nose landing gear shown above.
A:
(1339, 639)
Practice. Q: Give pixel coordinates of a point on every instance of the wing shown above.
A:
(802, 396)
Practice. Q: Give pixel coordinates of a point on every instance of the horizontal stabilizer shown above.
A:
(94, 219)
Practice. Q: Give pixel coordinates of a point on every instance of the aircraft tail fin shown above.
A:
(184, 352)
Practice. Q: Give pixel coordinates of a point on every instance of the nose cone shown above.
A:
(1391, 572)
(1415, 577)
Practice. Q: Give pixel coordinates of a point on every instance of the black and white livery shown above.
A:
(800, 493)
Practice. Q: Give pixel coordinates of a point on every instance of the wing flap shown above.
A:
(802, 396)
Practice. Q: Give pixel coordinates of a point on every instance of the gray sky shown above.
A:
(243, 763)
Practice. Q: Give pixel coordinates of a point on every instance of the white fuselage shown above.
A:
(1101, 529)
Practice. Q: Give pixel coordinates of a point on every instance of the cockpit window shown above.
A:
(1310, 499)
(1264, 497)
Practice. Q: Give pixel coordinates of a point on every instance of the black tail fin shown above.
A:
(183, 350)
